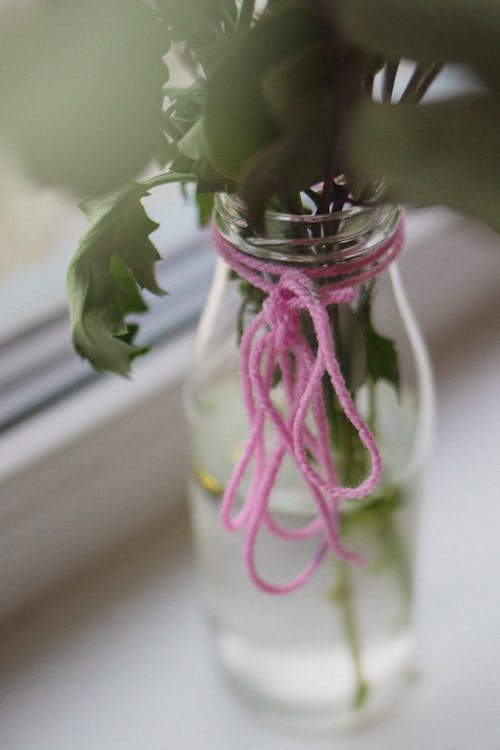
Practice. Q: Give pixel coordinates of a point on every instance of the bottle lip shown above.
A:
(303, 239)
(231, 201)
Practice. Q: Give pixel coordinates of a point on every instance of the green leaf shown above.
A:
(132, 300)
(193, 145)
(295, 160)
(205, 203)
(114, 260)
(276, 107)
(238, 120)
(292, 78)
(166, 153)
(427, 30)
(186, 108)
(445, 153)
(382, 358)
(189, 18)
(381, 354)
(200, 24)
(81, 85)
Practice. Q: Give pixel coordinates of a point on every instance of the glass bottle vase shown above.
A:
(339, 648)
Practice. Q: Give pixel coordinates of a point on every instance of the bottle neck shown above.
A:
(356, 236)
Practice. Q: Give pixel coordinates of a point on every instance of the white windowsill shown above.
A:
(89, 473)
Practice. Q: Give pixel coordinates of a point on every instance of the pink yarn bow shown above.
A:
(274, 339)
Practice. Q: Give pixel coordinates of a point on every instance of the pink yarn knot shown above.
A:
(281, 312)
(284, 325)
(273, 342)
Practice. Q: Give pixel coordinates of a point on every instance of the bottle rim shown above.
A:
(303, 239)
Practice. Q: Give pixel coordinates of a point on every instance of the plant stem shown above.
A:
(246, 14)
(395, 551)
(389, 79)
(167, 177)
(422, 77)
(342, 595)
(328, 181)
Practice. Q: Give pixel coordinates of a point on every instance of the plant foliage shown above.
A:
(114, 262)
(279, 101)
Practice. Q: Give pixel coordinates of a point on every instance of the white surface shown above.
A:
(60, 425)
(89, 473)
(120, 659)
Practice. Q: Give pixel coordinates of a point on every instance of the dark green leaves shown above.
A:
(184, 123)
(362, 352)
(275, 106)
(238, 119)
(115, 259)
(298, 158)
(441, 153)
(428, 30)
(447, 153)
(199, 24)
(81, 89)
(270, 115)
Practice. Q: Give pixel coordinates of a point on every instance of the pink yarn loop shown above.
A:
(274, 338)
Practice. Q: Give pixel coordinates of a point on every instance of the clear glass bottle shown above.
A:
(337, 649)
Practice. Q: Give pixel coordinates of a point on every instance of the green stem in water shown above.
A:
(396, 556)
(344, 441)
(378, 519)
(342, 596)
(343, 593)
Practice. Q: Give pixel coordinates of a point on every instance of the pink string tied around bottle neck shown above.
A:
(274, 342)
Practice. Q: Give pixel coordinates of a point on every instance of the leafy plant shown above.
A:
(114, 259)
(279, 109)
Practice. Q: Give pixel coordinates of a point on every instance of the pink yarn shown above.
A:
(273, 338)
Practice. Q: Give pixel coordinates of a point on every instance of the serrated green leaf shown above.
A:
(132, 300)
(114, 260)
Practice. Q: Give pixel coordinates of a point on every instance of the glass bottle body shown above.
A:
(337, 648)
